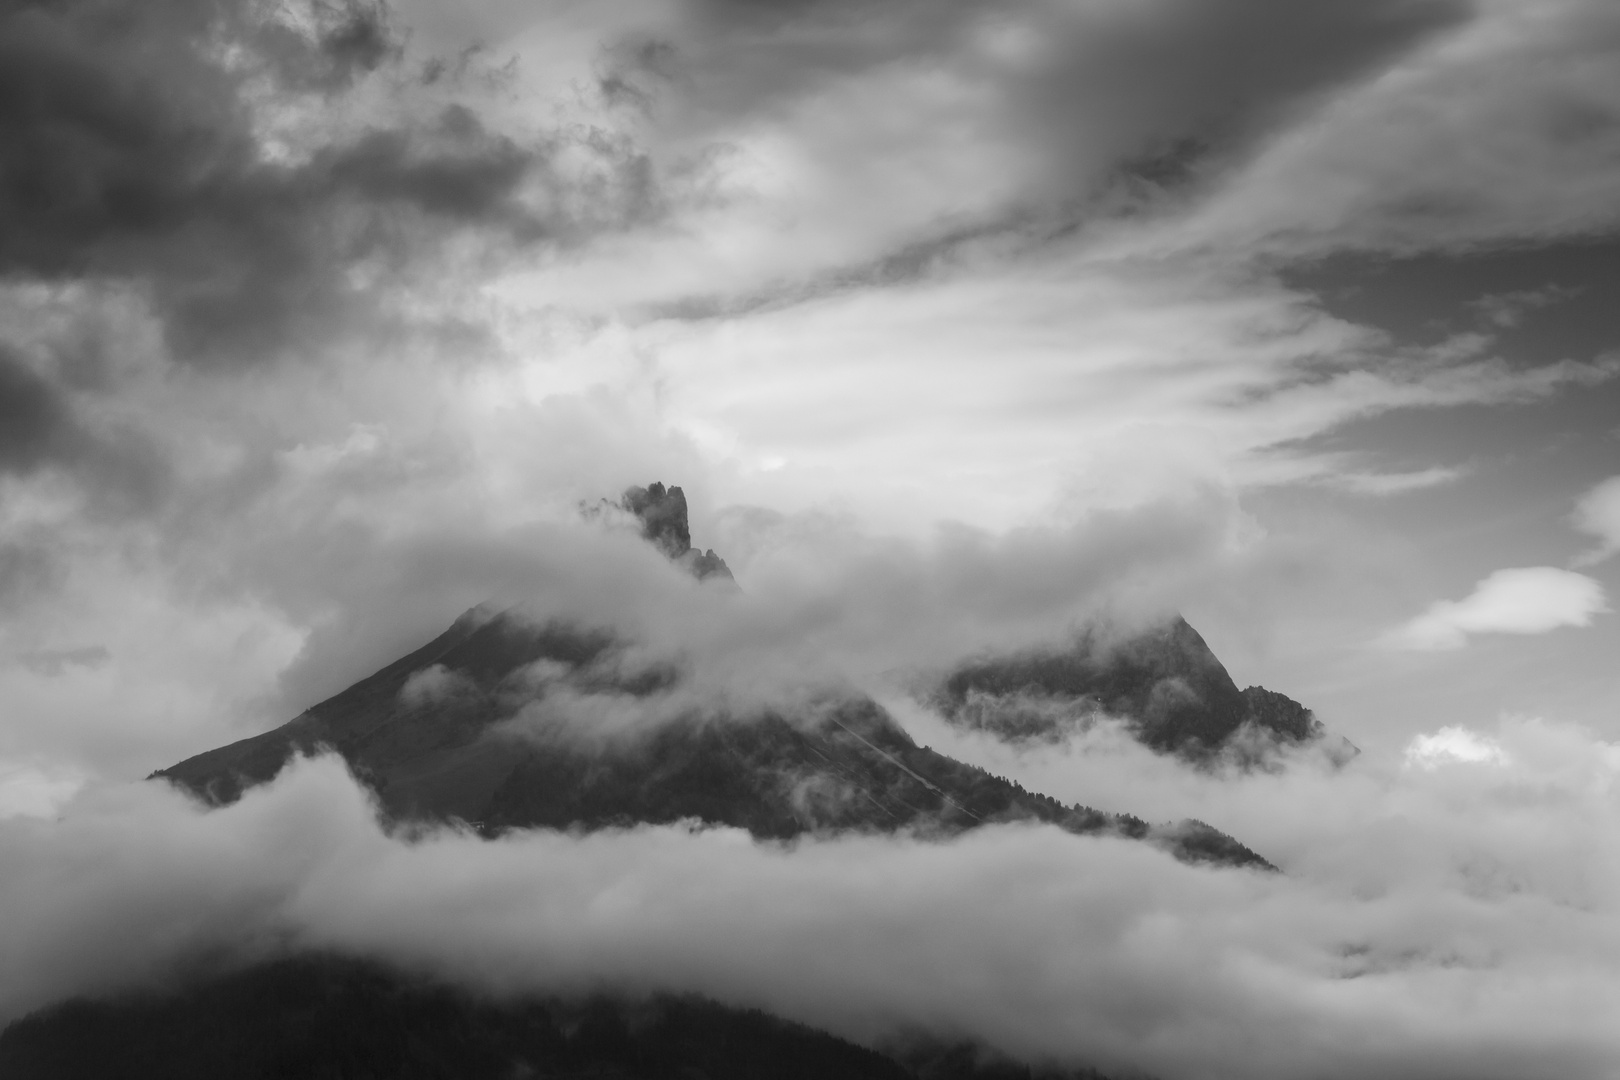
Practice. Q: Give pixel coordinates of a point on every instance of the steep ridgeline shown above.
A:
(488, 723)
(500, 722)
(344, 1019)
(1165, 683)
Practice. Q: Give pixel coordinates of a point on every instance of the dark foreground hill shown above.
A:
(333, 1018)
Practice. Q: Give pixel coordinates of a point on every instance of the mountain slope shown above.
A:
(1165, 683)
(466, 752)
(335, 1018)
(506, 721)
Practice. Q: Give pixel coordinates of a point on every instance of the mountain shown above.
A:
(460, 750)
(336, 1018)
(1165, 683)
(499, 723)
(663, 518)
(490, 723)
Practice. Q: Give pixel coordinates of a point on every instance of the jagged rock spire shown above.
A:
(662, 512)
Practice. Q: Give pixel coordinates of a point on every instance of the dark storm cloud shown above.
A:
(34, 423)
(39, 429)
(129, 153)
(356, 37)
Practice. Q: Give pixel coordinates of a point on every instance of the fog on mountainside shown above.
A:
(515, 724)
(507, 720)
(1164, 682)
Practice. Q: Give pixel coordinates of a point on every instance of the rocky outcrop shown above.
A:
(1281, 714)
(1165, 683)
(663, 517)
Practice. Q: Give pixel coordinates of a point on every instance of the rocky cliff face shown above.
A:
(663, 517)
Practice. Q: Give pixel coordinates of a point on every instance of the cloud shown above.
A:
(41, 428)
(1460, 921)
(1598, 514)
(1526, 600)
(1507, 310)
(315, 344)
(433, 685)
(56, 661)
(1452, 745)
(971, 114)
(31, 418)
(223, 159)
(27, 790)
(848, 147)
(1393, 483)
(1499, 131)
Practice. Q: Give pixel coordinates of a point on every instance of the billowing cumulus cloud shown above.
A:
(1525, 600)
(1452, 745)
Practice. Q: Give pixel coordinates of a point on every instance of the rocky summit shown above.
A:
(663, 517)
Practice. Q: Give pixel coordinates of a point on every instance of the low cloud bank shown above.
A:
(1461, 920)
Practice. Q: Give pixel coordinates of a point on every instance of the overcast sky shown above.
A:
(318, 320)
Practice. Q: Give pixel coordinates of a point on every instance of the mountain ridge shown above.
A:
(1166, 683)
(839, 764)
(493, 723)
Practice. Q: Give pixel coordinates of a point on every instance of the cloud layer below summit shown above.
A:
(1455, 914)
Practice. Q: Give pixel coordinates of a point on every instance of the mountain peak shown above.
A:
(663, 516)
(462, 728)
(1166, 682)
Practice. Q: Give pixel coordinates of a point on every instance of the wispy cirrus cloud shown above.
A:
(1499, 132)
